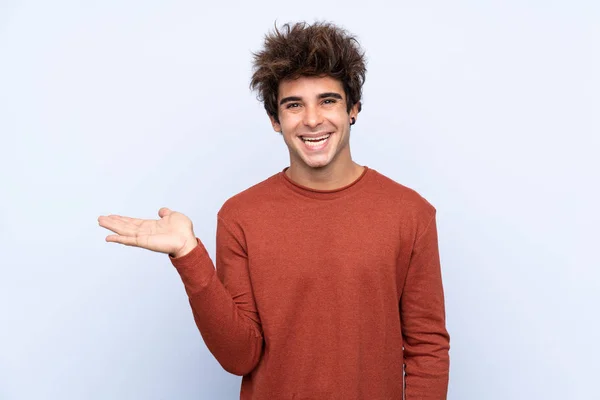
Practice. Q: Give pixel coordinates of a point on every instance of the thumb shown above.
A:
(163, 212)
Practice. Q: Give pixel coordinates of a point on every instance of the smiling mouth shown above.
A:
(316, 143)
(316, 139)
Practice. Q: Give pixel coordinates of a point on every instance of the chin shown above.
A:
(317, 164)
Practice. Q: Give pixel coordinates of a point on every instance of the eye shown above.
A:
(329, 101)
(292, 105)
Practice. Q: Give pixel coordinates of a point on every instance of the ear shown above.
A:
(276, 125)
(354, 111)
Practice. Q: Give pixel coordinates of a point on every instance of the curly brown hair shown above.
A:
(320, 49)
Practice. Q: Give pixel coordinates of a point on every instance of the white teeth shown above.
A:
(317, 144)
(316, 139)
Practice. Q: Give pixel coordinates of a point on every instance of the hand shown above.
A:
(172, 234)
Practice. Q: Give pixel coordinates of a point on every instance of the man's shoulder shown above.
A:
(248, 199)
(405, 199)
(401, 192)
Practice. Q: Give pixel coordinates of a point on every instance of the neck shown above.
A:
(330, 177)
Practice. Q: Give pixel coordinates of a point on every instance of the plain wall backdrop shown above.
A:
(489, 109)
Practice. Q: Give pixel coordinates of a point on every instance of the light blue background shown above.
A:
(488, 108)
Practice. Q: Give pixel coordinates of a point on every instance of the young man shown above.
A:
(327, 282)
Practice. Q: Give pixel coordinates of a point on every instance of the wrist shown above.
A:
(189, 245)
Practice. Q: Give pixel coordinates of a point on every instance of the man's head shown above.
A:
(310, 79)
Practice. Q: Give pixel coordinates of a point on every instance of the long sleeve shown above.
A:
(426, 340)
(222, 300)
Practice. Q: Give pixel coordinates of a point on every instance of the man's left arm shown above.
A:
(422, 310)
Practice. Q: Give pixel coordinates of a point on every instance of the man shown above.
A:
(327, 282)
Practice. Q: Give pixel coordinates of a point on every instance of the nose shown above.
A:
(312, 116)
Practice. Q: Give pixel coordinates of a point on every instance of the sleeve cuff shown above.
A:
(195, 268)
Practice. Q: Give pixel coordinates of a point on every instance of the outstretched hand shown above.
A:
(172, 234)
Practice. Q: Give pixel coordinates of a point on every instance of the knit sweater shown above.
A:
(324, 294)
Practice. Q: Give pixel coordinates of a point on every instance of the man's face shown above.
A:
(314, 108)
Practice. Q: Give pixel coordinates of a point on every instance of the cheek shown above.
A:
(289, 123)
(339, 117)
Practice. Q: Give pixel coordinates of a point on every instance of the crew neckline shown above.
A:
(328, 194)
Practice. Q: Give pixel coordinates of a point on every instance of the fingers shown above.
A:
(134, 221)
(163, 212)
(126, 240)
(115, 217)
(118, 225)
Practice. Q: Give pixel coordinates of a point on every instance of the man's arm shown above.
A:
(222, 300)
(426, 340)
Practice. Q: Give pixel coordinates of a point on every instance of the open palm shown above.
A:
(171, 233)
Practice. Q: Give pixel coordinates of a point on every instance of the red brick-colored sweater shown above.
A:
(324, 294)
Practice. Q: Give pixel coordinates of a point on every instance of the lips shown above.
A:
(314, 136)
(315, 142)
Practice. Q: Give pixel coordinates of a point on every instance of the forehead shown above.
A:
(309, 86)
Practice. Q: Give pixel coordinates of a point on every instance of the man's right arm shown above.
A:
(222, 299)
(426, 340)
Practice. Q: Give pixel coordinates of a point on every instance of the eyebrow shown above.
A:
(320, 96)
